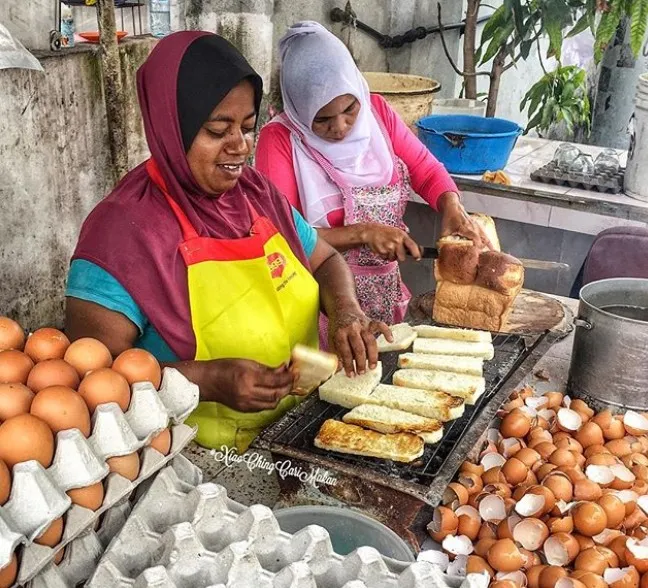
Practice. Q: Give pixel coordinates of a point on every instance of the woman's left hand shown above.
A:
(353, 337)
(456, 221)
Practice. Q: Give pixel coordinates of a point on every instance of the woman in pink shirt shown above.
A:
(346, 160)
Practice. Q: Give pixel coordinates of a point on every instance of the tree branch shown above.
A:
(464, 74)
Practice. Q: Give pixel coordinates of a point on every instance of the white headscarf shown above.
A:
(316, 68)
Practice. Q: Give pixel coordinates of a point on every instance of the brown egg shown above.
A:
(46, 344)
(127, 466)
(514, 471)
(62, 408)
(477, 565)
(504, 556)
(88, 354)
(587, 490)
(15, 399)
(563, 524)
(562, 457)
(51, 537)
(515, 424)
(138, 365)
(533, 575)
(560, 485)
(550, 575)
(590, 434)
(589, 518)
(58, 557)
(162, 443)
(90, 497)
(8, 573)
(596, 560)
(105, 385)
(52, 372)
(5, 482)
(14, 367)
(12, 335)
(26, 437)
(614, 510)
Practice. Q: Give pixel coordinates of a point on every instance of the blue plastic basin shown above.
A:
(468, 144)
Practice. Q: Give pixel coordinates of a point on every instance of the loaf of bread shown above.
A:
(476, 287)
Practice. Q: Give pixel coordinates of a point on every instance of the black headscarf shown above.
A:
(210, 68)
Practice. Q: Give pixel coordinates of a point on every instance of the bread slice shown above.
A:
(452, 347)
(404, 336)
(391, 420)
(343, 438)
(434, 332)
(313, 367)
(433, 405)
(470, 388)
(473, 366)
(350, 392)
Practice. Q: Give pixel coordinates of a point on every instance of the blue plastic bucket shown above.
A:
(468, 144)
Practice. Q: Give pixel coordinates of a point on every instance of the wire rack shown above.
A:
(298, 429)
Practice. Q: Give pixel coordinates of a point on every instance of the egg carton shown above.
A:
(596, 182)
(187, 535)
(38, 495)
(83, 554)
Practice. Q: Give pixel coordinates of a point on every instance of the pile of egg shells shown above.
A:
(47, 385)
(559, 498)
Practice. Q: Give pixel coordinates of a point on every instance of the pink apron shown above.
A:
(381, 292)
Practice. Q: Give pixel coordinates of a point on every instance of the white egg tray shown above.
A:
(38, 495)
(184, 535)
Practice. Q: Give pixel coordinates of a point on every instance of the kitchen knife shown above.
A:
(433, 253)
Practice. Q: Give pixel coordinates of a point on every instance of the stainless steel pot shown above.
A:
(609, 363)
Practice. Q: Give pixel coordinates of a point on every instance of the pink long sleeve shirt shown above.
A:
(274, 158)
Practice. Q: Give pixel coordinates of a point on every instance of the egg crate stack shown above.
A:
(187, 535)
(597, 182)
(39, 496)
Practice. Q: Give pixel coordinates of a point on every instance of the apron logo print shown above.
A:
(277, 264)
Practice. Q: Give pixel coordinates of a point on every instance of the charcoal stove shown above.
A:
(400, 495)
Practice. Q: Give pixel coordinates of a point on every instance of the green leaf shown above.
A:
(496, 21)
(499, 39)
(607, 28)
(582, 25)
(638, 25)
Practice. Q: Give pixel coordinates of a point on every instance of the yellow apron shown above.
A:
(250, 298)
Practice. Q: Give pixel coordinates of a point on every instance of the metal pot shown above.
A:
(609, 363)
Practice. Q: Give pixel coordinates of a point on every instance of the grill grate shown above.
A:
(299, 428)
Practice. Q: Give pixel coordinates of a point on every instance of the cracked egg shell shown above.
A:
(478, 565)
(590, 434)
(596, 559)
(514, 471)
(563, 524)
(468, 526)
(504, 556)
(505, 527)
(483, 546)
(589, 518)
(587, 490)
(640, 471)
(531, 559)
(554, 399)
(455, 495)
(584, 542)
(531, 534)
(472, 468)
(636, 554)
(569, 443)
(544, 470)
(589, 579)
(618, 545)
(561, 549)
(9, 573)
(622, 577)
(562, 457)
(493, 476)
(504, 584)
(560, 485)
(515, 424)
(545, 449)
(529, 457)
(550, 575)
(595, 450)
(471, 482)
(614, 510)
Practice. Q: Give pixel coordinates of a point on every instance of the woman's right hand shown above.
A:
(243, 385)
(390, 243)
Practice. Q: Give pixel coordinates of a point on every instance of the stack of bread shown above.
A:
(476, 287)
(442, 374)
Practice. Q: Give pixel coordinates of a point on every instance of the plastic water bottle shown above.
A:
(67, 26)
(160, 13)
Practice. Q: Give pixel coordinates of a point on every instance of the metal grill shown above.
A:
(298, 429)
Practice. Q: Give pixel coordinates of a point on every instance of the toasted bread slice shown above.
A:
(350, 392)
(343, 438)
(404, 336)
(451, 347)
(391, 420)
(467, 387)
(313, 366)
(433, 332)
(473, 366)
(434, 405)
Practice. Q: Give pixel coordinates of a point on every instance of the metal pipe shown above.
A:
(395, 41)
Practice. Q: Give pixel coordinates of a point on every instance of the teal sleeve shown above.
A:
(307, 234)
(89, 282)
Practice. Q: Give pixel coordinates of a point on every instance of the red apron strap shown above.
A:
(188, 230)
